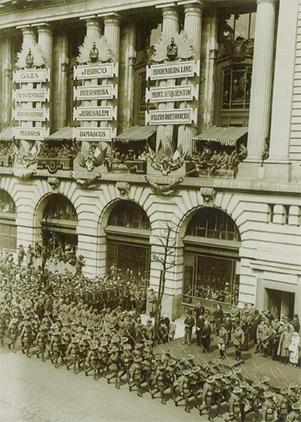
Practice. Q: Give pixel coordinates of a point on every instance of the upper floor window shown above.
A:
(239, 26)
(237, 87)
(129, 214)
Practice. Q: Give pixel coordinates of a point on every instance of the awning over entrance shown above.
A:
(6, 134)
(63, 134)
(136, 133)
(223, 135)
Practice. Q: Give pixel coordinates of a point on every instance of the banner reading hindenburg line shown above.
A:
(92, 134)
(171, 117)
(173, 71)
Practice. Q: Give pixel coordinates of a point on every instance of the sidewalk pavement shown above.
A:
(254, 366)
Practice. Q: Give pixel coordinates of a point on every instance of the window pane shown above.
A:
(252, 26)
(242, 26)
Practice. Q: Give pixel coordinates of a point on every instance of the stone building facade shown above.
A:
(120, 122)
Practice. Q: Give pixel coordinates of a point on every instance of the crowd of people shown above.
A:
(278, 339)
(60, 318)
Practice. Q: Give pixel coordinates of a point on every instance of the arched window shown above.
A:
(211, 259)
(129, 214)
(59, 222)
(8, 228)
(128, 247)
(213, 223)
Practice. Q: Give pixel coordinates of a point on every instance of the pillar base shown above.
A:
(277, 170)
(172, 306)
(250, 169)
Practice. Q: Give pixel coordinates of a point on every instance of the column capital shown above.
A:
(112, 19)
(44, 27)
(27, 30)
(267, 1)
(92, 23)
(193, 9)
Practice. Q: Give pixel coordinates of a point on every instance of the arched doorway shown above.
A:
(58, 223)
(211, 259)
(8, 228)
(127, 236)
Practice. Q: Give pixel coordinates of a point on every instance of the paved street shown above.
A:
(32, 391)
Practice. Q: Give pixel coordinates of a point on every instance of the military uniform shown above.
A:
(269, 411)
(135, 374)
(234, 405)
(238, 341)
(222, 341)
(208, 397)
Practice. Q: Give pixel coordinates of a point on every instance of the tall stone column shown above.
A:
(170, 26)
(283, 89)
(193, 29)
(262, 78)
(7, 81)
(29, 41)
(61, 117)
(45, 41)
(112, 33)
(93, 28)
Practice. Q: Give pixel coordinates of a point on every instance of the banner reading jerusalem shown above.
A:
(95, 113)
(171, 117)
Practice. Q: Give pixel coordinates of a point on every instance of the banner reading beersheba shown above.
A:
(104, 70)
(172, 93)
(31, 115)
(92, 133)
(98, 92)
(173, 71)
(32, 133)
(95, 113)
(171, 117)
(31, 95)
(32, 75)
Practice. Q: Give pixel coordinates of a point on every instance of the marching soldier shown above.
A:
(55, 348)
(113, 361)
(208, 397)
(136, 375)
(41, 341)
(126, 361)
(269, 411)
(12, 334)
(25, 337)
(234, 405)
(72, 355)
(160, 382)
(295, 414)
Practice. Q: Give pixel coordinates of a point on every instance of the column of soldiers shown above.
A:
(53, 324)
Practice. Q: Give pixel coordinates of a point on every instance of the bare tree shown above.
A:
(165, 257)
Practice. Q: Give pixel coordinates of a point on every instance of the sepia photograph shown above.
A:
(150, 210)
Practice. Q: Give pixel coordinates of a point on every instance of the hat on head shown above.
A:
(187, 372)
(265, 380)
(255, 384)
(210, 379)
(269, 394)
(237, 390)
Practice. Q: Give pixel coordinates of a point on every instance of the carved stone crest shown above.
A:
(165, 160)
(94, 50)
(31, 57)
(164, 189)
(171, 48)
(87, 183)
(54, 182)
(124, 189)
(208, 195)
